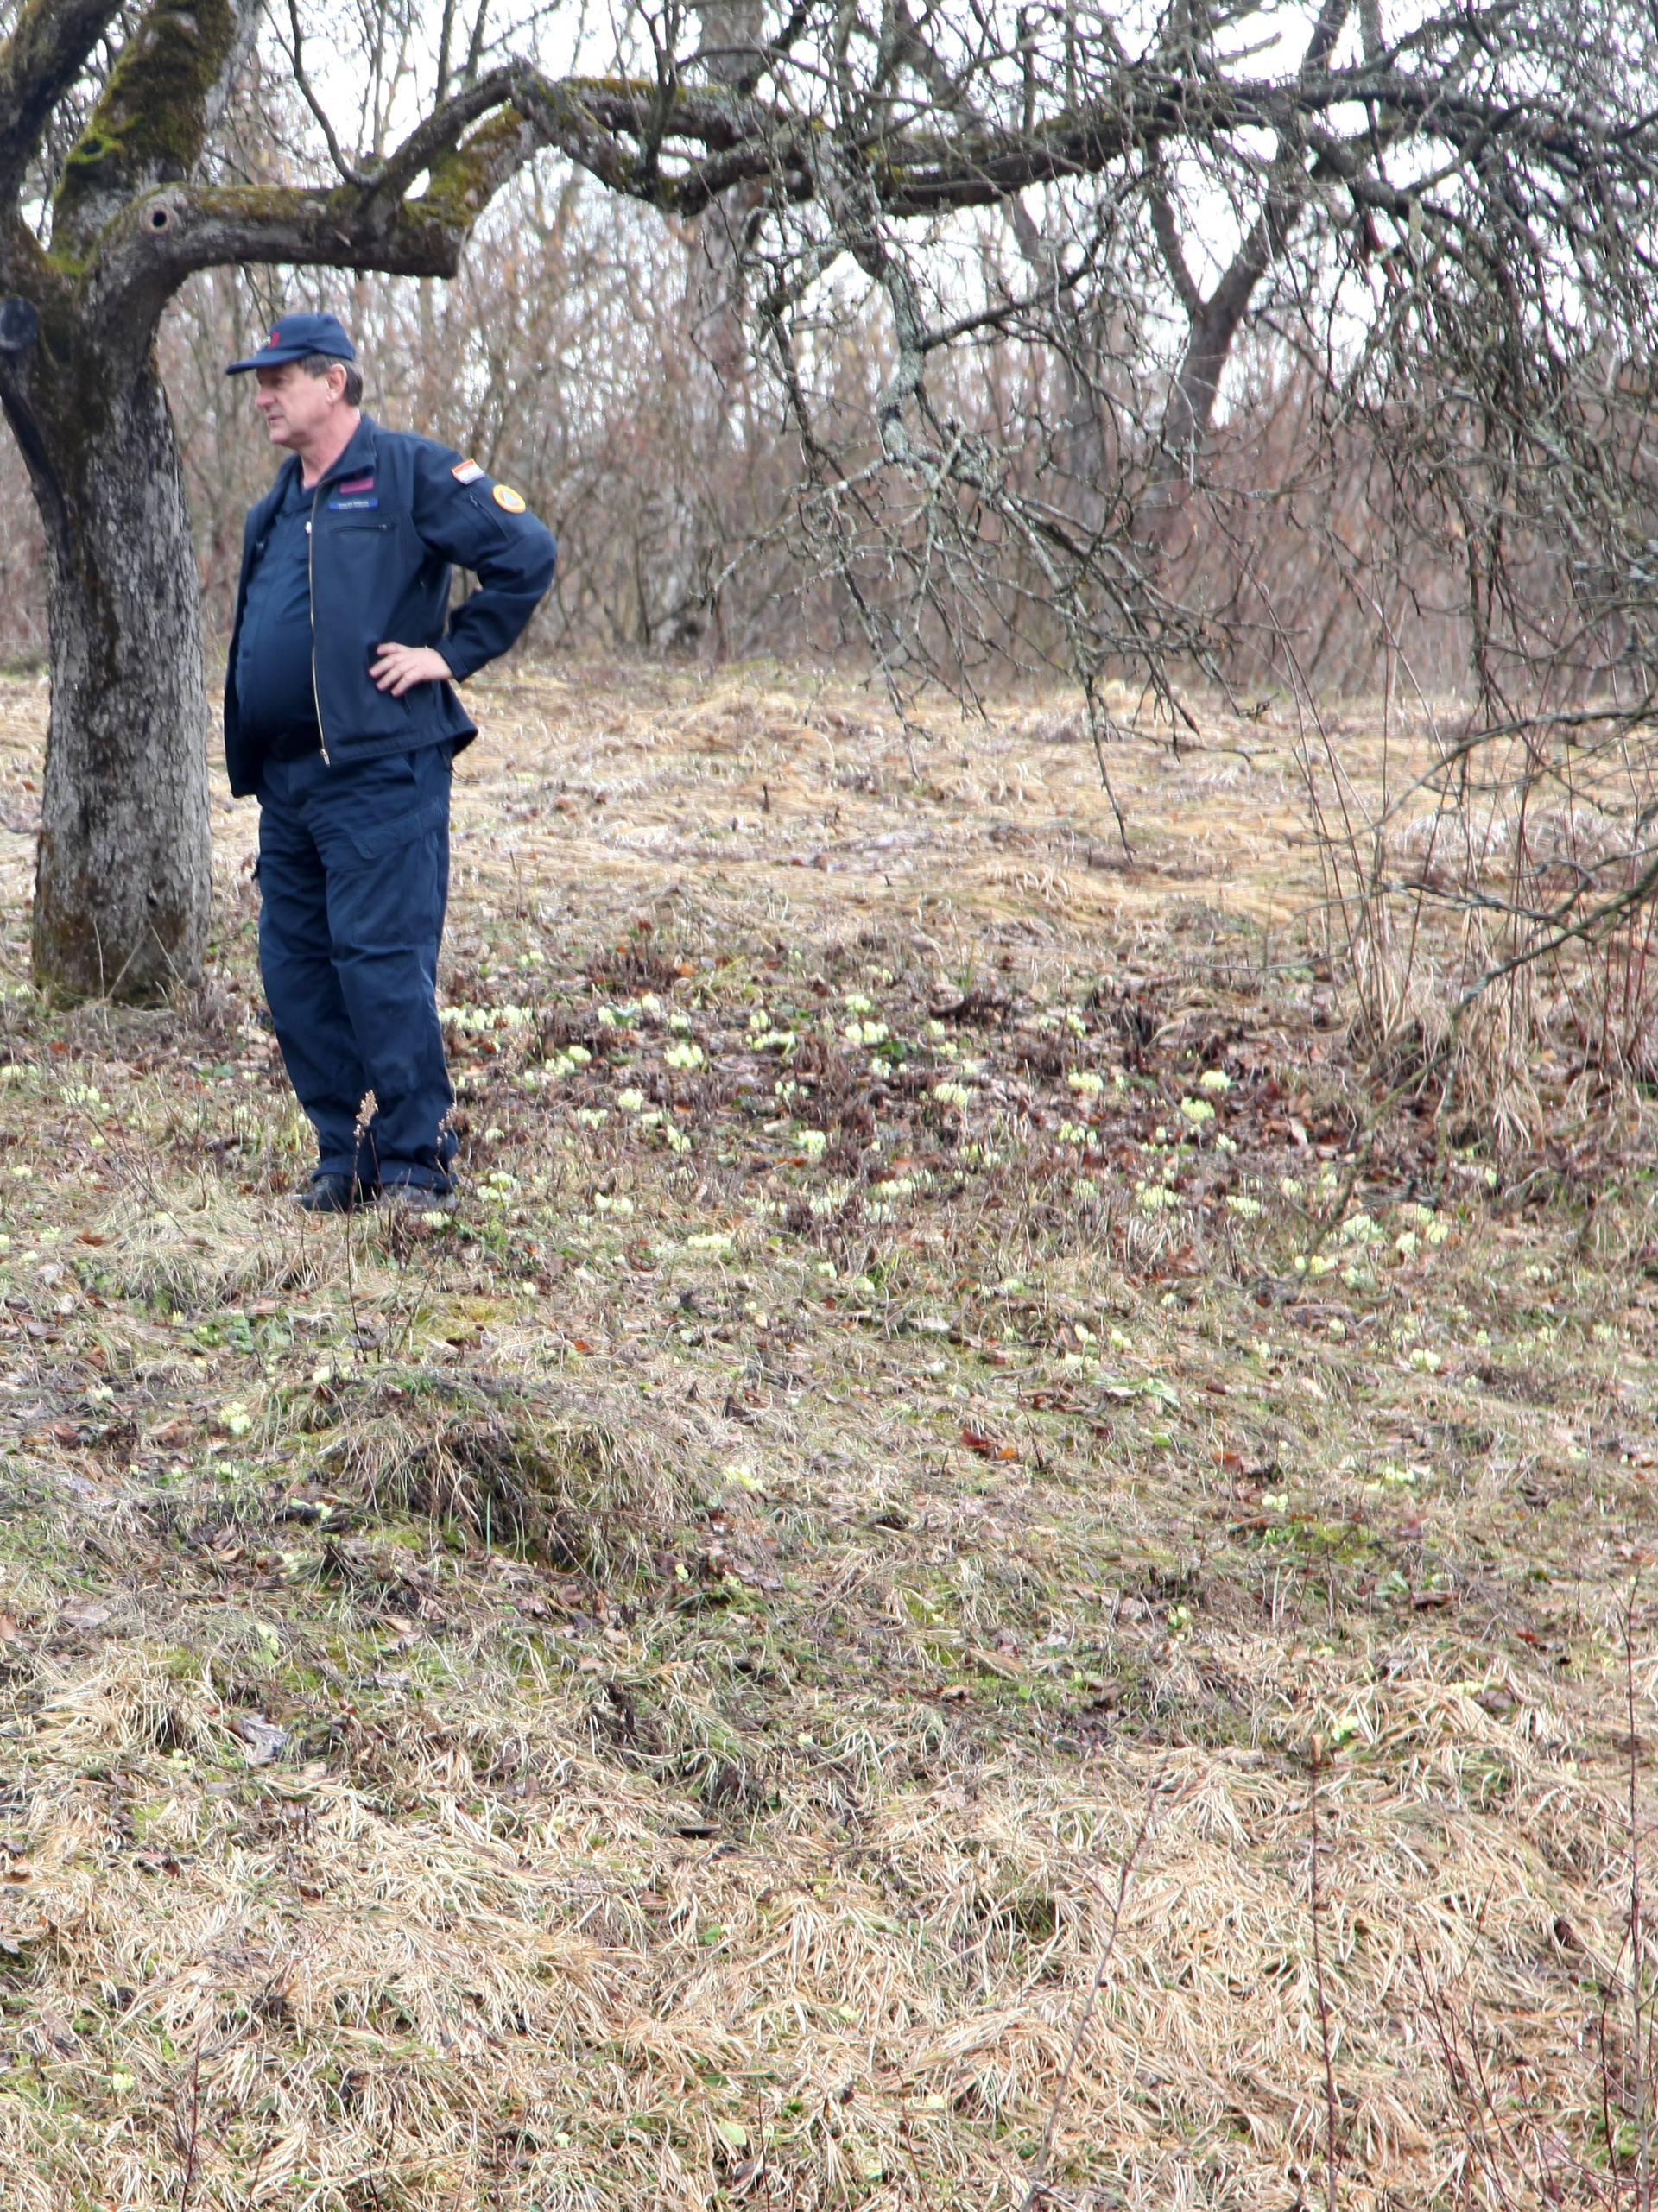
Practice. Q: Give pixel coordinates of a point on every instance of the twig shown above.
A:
(1325, 2039)
(1125, 1873)
(189, 2130)
(1643, 2117)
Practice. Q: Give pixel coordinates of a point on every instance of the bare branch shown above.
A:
(318, 113)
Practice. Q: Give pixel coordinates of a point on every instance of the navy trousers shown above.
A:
(353, 881)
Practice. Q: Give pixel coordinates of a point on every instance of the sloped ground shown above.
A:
(940, 1444)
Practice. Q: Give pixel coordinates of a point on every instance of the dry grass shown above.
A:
(641, 1698)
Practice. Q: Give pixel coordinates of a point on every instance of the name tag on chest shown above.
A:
(360, 492)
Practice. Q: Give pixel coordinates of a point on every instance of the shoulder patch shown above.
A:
(466, 473)
(504, 496)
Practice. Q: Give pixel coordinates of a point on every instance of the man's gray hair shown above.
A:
(318, 365)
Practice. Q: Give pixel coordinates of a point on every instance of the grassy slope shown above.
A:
(645, 1695)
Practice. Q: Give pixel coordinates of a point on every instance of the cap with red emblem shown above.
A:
(293, 337)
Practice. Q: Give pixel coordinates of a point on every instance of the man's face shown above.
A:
(295, 404)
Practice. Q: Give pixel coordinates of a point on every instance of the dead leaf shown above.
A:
(988, 1447)
(84, 1613)
(265, 1741)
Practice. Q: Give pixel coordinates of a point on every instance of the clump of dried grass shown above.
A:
(1491, 936)
(572, 1478)
(184, 1251)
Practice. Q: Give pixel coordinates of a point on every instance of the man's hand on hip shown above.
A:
(397, 668)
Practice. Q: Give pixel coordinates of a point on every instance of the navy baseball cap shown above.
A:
(293, 337)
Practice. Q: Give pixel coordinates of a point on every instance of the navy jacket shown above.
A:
(386, 522)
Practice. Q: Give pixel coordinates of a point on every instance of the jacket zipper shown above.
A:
(311, 588)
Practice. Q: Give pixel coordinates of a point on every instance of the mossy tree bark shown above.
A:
(122, 878)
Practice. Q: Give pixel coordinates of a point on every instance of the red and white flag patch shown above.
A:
(466, 473)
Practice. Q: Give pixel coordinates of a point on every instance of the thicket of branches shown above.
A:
(590, 350)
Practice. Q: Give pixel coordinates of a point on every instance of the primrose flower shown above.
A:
(1215, 1080)
(684, 1056)
(812, 1143)
(1156, 1197)
(1086, 1082)
(632, 1100)
(952, 1093)
(1196, 1111)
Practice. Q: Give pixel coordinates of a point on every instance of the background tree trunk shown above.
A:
(123, 877)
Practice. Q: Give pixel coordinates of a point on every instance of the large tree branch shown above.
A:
(677, 147)
(38, 62)
(170, 234)
(1165, 229)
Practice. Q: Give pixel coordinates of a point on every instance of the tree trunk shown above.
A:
(123, 880)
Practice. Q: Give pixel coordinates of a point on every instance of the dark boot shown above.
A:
(334, 1194)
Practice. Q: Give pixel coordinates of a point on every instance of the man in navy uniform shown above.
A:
(340, 713)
